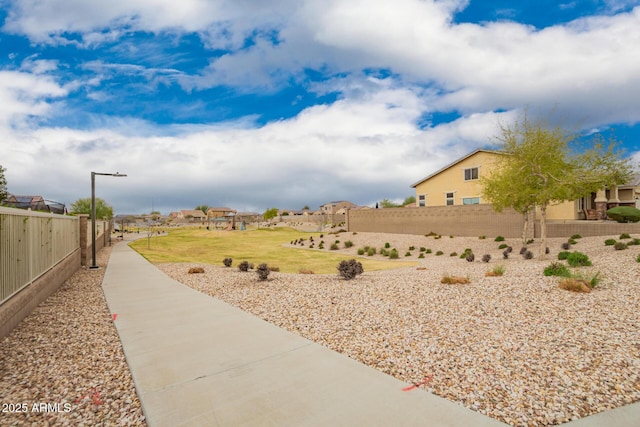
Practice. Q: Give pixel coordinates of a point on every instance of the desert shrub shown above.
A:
(361, 251)
(348, 244)
(557, 269)
(575, 285)
(431, 234)
(263, 271)
(527, 255)
(624, 236)
(498, 270)
(572, 241)
(407, 253)
(547, 250)
(276, 269)
(610, 242)
(509, 249)
(421, 255)
(393, 254)
(482, 237)
(428, 251)
(227, 262)
(523, 250)
(566, 246)
(575, 236)
(638, 258)
(470, 257)
(578, 259)
(486, 258)
(455, 280)
(499, 239)
(350, 269)
(438, 237)
(196, 270)
(633, 242)
(439, 253)
(505, 254)
(371, 251)
(243, 266)
(451, 236)
(334, 247)
(422, 249)
(412, 248)
(453, 254)
(321, 245)
(563, 255)
(337, 242)
(384, 252)
(387, 245)
(624, 214)
(503, 246)
(619, 246)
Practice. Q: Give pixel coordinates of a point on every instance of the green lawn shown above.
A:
(256, 246)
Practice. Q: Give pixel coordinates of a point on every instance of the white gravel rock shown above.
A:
(516, 348)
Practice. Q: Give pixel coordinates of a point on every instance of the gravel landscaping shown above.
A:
(516, 348)
(64, 364)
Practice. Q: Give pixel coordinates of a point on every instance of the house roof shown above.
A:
(221, 209)
(474, 152)
(193, 212)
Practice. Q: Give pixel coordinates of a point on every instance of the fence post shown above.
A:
(82, 223)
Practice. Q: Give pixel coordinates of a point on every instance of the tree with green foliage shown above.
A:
(3, 185)
(542, 166)
(203, 208)
(270, 213)
(386, 203)
(411, 200)
(83, 206)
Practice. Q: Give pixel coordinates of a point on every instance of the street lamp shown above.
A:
(93, 265)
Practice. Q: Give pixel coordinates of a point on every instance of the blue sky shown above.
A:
(254, 104)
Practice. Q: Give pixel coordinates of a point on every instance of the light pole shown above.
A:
(93, 265)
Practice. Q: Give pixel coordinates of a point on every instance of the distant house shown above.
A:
(220, 212)
(192, 214)
(34, 203)
(459, 184)
(332, 208)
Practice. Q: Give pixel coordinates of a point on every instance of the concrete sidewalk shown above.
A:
(197, 361)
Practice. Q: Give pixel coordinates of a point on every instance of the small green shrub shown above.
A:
(361, 251)
(243, 266)
(578, 259)
(384, 252)
(572, 241)
(566, 246)
(610, 242)
(421, 255)
(350, 269)
(227, 262)
(387, 245)
(334, 247)
(482, 237)
(563, 255)
(470, 257)
(412, 248)
(371, 251)
(633, 242)
(498, 270)
(428, 251)
(393, 254)
(499, 239)
(348, 244)
(439, 253)
(407, 253)
(505, 254)
(575, 236)
(486, 258)
(263, 271)
(422, 249)
(638, 258)
(503, 246)
(453, 254)
(527, 255)
(619, 246)
(624, 236)
(530, 241)
(557, 269)
(624, 214)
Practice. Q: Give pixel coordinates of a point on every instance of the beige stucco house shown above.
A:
(332, 208)
(459, 184)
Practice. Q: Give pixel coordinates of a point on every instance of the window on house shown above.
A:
(470, 200)
(449, 197)
(470, 174)
(422, 200)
